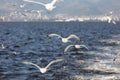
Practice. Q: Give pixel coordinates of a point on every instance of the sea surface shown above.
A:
(29, 41)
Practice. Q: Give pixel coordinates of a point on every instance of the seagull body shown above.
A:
(65, 40)
(43, 70)
(48, 6)
(76, 46)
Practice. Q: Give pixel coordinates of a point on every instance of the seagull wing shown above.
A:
(53, 2)
(73, 36)
(32, 64)
(34, 2)
(56, 35)
(113, 22)
(65, 50)
(54, 61)
(84, 46)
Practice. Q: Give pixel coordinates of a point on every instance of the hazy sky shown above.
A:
(65, 8)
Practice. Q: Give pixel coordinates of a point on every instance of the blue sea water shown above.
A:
(30, 40)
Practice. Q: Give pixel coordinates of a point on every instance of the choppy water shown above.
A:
(30, 41)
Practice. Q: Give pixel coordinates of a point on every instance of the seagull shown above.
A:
(110, 20)
(43, 70)
(48, 6)
(65, 40)
(4, 46)
(76, 46)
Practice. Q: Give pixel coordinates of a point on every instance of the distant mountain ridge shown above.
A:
(68, 8)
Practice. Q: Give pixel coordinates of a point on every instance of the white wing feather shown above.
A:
(54, 61)
(65, 50)
(32, 64)
(73, 36)
(34, 2)
(54, 35)
(84, 46)
(54, 1)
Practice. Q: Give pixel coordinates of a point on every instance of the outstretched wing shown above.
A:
(65, 50)
(84, 46)
(73, 36)
(34, 2)
(32, 64)
(54, 1)
(54, 61)
(113, 22)
(54, 35)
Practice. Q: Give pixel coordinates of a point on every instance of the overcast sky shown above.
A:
(65, 8)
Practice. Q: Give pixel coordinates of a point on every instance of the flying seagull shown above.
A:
(43, 70)
(65, 40)
(49, 6)
(110, 20)
(76, 46)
